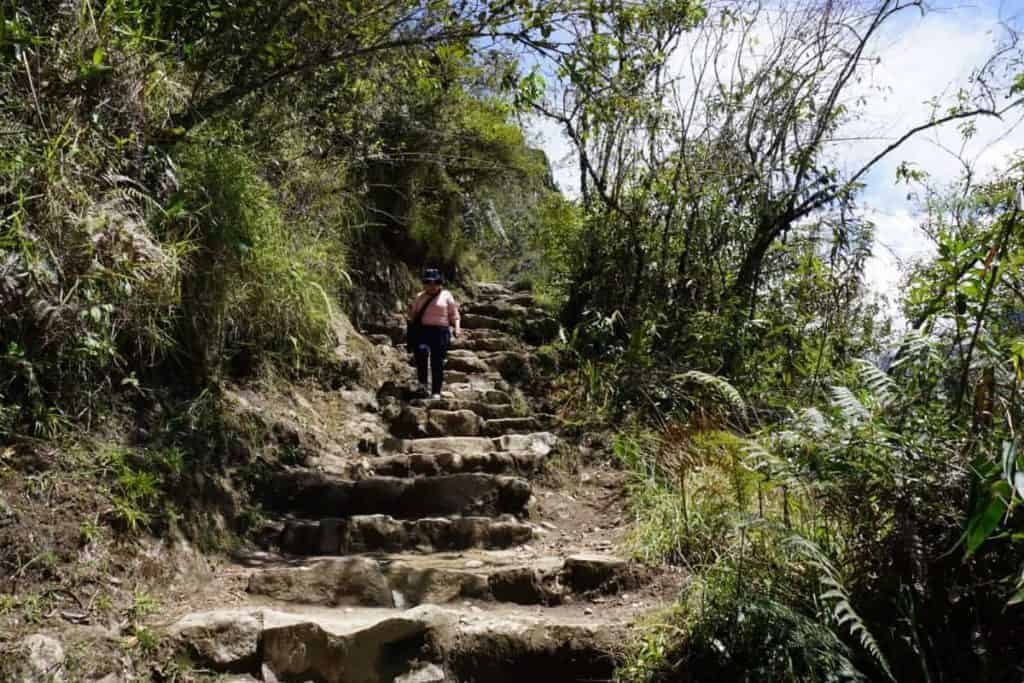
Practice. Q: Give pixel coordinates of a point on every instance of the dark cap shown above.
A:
(432, 275)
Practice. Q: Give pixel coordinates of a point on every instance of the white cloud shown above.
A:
(899, 241)
(922, 58)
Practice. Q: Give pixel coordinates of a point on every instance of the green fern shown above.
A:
(881, 386)
(852, 409)
(716, 385)
(759, 458)
(766, 459)
(842, 608)
(811, 420)
(915, 347)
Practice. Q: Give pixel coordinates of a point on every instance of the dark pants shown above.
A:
(432, 341)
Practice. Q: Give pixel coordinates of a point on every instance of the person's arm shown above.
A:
(453, 316)
(412, 307)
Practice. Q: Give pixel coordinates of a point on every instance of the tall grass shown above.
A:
(754, 607)
(766, 599)
(254, 284)
(690, 493)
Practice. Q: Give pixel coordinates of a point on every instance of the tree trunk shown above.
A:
(743, 299)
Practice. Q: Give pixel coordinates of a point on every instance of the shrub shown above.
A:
(689, 492)
(252, 287)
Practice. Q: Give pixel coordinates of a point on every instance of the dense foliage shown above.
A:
(847, 499)
(195, 190)
(194, 186)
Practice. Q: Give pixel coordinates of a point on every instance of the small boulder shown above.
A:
(410, 423)
(521, 585)
(223, 639)
(591, 572)
(45, 658)
(424, 673)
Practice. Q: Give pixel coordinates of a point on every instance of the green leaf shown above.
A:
(1018, 84)
(981, 524)
(1009, 460)
(97, 56)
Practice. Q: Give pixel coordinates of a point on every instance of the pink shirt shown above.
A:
(442, 311)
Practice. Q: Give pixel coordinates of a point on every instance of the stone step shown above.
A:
(316, 494)
(413, 422)
(516, 425)
(484, 340)
(537, 442)
(473, 321)
(474, 380)
(521, 299)
(392, 328)
(433, 464)
(489, 388)
(489, 410)
(492, 289)
(404, 582)
(381, 533)
(417, 423)
(410, 580)
(464, 393)
(426, 644)
(441, 444)
(497, 309)
(466, 361)
(452, 376)
(512, 366)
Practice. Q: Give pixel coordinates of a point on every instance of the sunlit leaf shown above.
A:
(985, 521)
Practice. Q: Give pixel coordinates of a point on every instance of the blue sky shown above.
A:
(919, 58)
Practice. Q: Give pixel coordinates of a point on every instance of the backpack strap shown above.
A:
(423, 309)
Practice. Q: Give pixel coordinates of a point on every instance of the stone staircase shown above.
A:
(422, 559)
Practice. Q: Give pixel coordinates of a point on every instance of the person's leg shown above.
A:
(437, 355)
(422, 352)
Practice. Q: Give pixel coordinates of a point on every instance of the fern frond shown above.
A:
(717, 385)
(915, 346)
(759, 458)
(133, 192)
(881, 386)
(842, 609)
(852, 409)
(812, 420)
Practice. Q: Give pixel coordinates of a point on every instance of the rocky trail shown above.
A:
(445, 550)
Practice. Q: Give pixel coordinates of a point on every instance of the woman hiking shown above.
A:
(433, 320)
